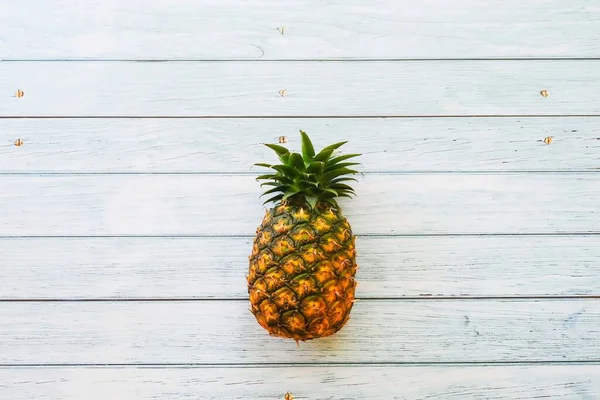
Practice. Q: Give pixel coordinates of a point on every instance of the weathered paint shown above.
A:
(354, 29)
(379, 331)
(386, 204)
(370, 88)
(470, 206)
(214, 268)
(233, 145)
(573, 382)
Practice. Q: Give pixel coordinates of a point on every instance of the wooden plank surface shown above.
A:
(312, 29)
(216, 332)
(565, 382)
(450, 88)
(230, 205)
(208, 268)
(225, 145)
(420, 234)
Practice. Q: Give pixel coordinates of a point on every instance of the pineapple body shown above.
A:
(301, 279)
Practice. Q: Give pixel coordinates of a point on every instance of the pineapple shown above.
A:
(301, 278)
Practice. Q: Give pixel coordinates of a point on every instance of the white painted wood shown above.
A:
(248, 29)
(220, 332)
(230, 205)
(225, 145)
(211, 332)
(565, 382)
(104, 268)
(312, 88)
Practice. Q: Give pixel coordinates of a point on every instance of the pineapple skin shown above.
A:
(301, 277)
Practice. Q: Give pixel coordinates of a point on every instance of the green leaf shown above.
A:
(323, 155)
(333, 203)
(280, 178)
(316, 168)
(269, 176)
(280, 150)
(329, 194)
(341, 186)
(336, 160)
(341, 165)
(306, 185)
(296, 161)
(308, 151)
(290, 194)
(326, 196)
(263, 165)
(286, 170)
(344, 179)
(270, 184)
(334, 146)
(274, 198)
(332, 174)
(312, 201)
(275, 189)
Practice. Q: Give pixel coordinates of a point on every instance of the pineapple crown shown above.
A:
(309, 178)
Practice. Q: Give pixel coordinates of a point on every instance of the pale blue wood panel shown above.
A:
(230, 205)
(209, 268)
(225, 145)
(311, 29)
(444, 88)
(565, 382)
(210, 332)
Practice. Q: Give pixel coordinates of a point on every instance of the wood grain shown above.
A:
(336, 29)
(216, 332)
(450, 88)
(437, 193)
(208, 268)
(225, 145)
(230, 205)
(565, 382)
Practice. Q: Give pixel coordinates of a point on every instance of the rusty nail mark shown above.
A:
(282, 92)
(282, 139)
(288, 395)
(544, 93)
(281, 29)
(548, 139)
(18, 142)
(20, 93)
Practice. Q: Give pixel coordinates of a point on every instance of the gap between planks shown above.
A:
(382, 116)
(244, 173)
(369, 235)
(292, 60)
(299, 364)
(426, 297)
